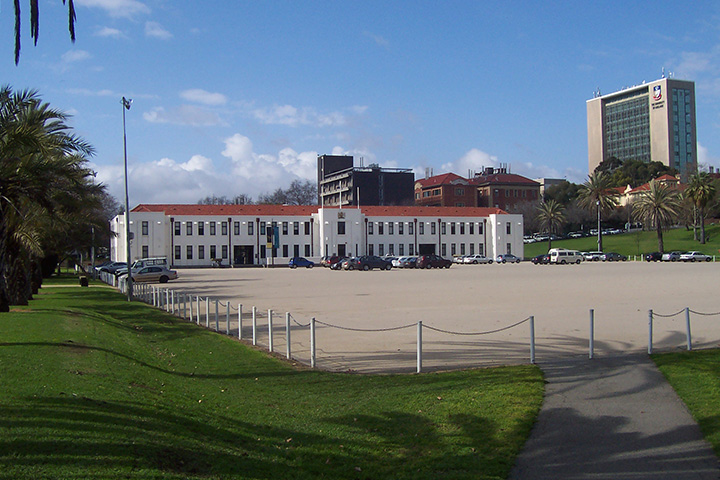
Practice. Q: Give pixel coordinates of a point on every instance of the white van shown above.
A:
(563, 256)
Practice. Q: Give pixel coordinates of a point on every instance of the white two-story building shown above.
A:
(196, 235)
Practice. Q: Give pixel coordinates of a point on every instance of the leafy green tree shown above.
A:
(564, 192)
(551, 218)
(44, 180)
(659, 206)
(35, 23)
(298, 193)
(596, 194)
(701, 191)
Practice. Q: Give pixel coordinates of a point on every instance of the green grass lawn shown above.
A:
(695, 376)
(637, 243)
(95, 387)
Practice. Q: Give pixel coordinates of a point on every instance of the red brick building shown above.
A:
(446, 190)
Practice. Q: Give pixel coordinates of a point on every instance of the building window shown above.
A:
(307, 228)
(391, 249)
(480, 228)
(381, 249)
(212, 228)
(224, 251)
(285, 229)
(411, 249)
(443, 250)
(189, 228)
(453, 249)
(391, 228)
(201, 252)
(263, 251)
(462, 228)
(371, 249)
(472, 247)
(370, 227)
(296, 229)
(460, 204)
(341, 228)
(251, 228)
(481, 249)
(508, 248)
(462, 249)
(177, 229)
(432, 228)
(262, 228)
(443, 228)
(177, 252)
(507, 228)
(421, 228)
(410, 228)
(436, 192)
(400, 228)
(381, 228)
(472, 228)
(296, 250)
(285, 251)
(213, 251)
(188, 254)
(452, 228)
(307, 250)
(145, 227)
(401, 249)
(459, 192)
(224, 227)
(201, 228)
(236, 228)
(145, 251)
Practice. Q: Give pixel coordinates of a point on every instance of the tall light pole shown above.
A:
(599, 227)
(126, 106)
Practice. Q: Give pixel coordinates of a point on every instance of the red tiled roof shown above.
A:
(669, 180)
(306, 210)
(502, 179)
(444, 179)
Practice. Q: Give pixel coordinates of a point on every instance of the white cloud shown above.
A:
(73, 56)
(378, 39)
(184, 115)
(116, 8)
(294, 117)
(705, 159)
(198, 95)
(155, 30)
(109, 32)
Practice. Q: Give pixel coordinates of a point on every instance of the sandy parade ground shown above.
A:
(466, 299)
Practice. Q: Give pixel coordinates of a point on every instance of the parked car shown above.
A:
(339, 264)
(433, 261)
(112, 267)
(695, 257)
(671, 256)
(507, 258)
(348, 263)
(613, 257)
(477, 258)
(408, 262)
(153, 273)
(592, 256)
(300, 262)
(653, 257)
(459, 259)
(370, 262)
(564, 256)
(542, 259)
(328, 260)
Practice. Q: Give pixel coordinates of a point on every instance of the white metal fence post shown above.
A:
(197, 308)
(254, 324)
(207, 312)
(167, 299)
(287, 334)
(592, 333)
(312, 342)
(650, 333)
(532, 339)
(217, 315)
(190, 310)
(239, 321)
(419, 346)
(172, 300)
(270, 331)
(687, 323)
(227, 319)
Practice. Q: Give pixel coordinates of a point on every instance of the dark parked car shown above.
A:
(613, 257)
(432, 261)
(369, 262)
(653, 257)
(339, 264)
(300, 262)
(542, 259)
(113, 267)
(328, 260)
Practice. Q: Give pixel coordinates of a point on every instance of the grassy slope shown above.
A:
(695, 376)
(636, 243)
(94, 387)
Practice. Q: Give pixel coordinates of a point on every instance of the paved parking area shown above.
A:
(469, 299)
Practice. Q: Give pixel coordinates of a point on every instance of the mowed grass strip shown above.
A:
(695, 376)
(96, 387)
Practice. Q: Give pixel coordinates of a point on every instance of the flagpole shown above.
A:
(126, 106)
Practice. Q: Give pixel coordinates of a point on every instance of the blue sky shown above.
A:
(236, 97)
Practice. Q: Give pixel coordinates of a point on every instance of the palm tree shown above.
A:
(700, 192)
(658, 206)
(35, 23)
(40, 161)
(551, 217)
(596, 194)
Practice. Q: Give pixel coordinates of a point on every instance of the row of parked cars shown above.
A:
(564, 256)
(143, 270)
(693, 256)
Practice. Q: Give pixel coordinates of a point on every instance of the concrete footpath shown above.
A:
(613, 418)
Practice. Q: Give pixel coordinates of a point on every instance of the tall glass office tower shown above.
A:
(650, 122)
